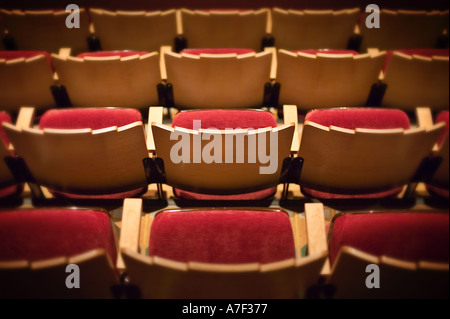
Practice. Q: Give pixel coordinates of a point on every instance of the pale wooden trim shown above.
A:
(64, 52)
(424, 117)
(273, 68)
(155, 115)
(315, 226)
(296, 231)
(291, 116)
(25, 118)
(129, 234)
(162, 61)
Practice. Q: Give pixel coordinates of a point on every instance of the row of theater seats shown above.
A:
(225, 78)
(287, 29)
(100, 156)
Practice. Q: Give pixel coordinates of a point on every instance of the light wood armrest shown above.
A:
(130, 230)
(424, 117)
(26, 117)
(155, 115)
(373, 51)
(179, 22)
(273, 65)
(64, 52)
(315, 228)
(291, 116)
(162, 61)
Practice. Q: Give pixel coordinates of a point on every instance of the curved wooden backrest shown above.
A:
(110, 81)
(47, 278)
(324, 80)
(134, 30)
(313, 29)
(162, 278)
(416, 81)
(83, 161)
(26, 82)
(237, 166)
(362, 160)
(398, 279)
(404, 29)
(224, 29)
(46, 30)
(218, 80)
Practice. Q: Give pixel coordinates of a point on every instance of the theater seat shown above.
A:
(91, 153)
(363, 153)
(110, 79)
(134, 30)
(26, 78)
(414, 80)
(212, 177)
(221, 253)
(313, 29)
(224, 28)
(36, 246)
(46, 30)
(410, 249)
(313, 79)
(404, 29)
(217, 78)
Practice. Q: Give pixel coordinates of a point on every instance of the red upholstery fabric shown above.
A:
(222, 119)
(407, 236)
(226, 237)
(94, 118)
(264, 194)
(37, 234)
(443, 117)
(437, 191)
(422, 52)
(318, 194)
(11, 55)
(217, 51)
(328, 51)
(353, 118)
(100, 54)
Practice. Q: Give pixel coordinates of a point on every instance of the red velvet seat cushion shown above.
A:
(4, 117)
(406, 236)
(94, 118)
(223, 119)
(258, 195)
(352, 118)
(217, 51)
(101, 54)
(11, 55)
(222, 236)
(328, 51)
(423, 52)
(37, 234)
